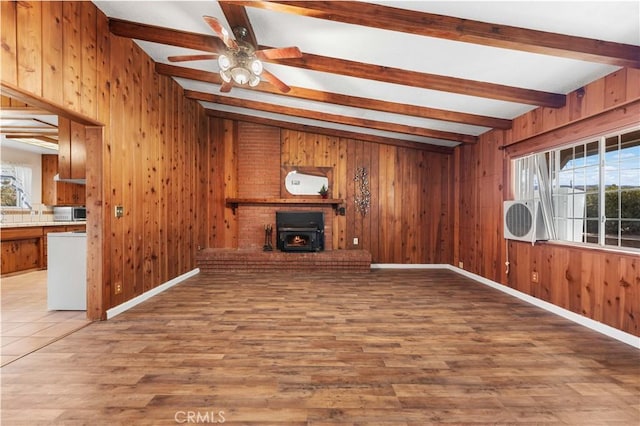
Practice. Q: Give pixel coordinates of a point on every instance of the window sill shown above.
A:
(593, 247)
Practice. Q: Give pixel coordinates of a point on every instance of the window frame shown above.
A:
(553, 154)
(19, 205)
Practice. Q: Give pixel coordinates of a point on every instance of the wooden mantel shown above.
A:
(333, 202)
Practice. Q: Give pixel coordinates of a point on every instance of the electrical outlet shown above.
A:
(534, 277)
(355, 241)
(119, 211)
(118, 288)
(461, 265)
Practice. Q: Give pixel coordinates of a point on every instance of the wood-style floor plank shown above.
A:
(390, 347)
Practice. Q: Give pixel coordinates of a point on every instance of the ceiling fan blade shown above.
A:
(184, 58)
(226, 87)
(221, 32)
(275, 81)
(279, 53)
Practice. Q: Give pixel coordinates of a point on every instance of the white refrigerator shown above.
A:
(67, 271)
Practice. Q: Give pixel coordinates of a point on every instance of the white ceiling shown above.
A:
(28, 129)
(602, 20)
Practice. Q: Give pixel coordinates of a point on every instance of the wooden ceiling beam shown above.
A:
(346, 100)
(426, 81)
(29, 130)
(458, 29)
(398, 108)
(9, 112)
(188, 73)
(26, 135)
(331, 132)
(351, 68)
(332, 118)
(162, 35)
(237, 17)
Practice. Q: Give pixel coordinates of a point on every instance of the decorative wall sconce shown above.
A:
(363, 195)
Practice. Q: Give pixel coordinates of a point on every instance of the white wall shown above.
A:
(28, 159)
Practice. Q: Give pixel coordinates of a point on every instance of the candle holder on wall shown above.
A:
(363, 195)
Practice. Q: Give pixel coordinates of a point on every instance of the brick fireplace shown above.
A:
(260, 177)
(259, 169)
(253, 218)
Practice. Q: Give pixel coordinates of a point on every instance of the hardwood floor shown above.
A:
(27, 324)
(403, 347)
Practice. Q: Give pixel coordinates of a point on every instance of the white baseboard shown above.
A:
(609, 331)
(409, 266)
(116, 310)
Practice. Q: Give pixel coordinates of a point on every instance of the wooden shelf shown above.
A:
(333, 202)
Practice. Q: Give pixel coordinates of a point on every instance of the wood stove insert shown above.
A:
(300, 231)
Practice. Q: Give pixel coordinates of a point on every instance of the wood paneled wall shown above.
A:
(481, 187)
(599, 284)
(603, 286)
(146, 156)
(159, 154)
(154, 149)
(218, 181)
(410, 215)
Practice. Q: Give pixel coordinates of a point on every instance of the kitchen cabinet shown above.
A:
(21, 249)
(72, 154)
(70, 194)
(25, 248)
(59, 193)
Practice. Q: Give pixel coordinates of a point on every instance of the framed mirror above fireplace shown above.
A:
(305, 181)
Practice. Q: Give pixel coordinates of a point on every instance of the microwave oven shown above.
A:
(69, 214)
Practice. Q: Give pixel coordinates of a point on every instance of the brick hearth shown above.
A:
(251, 260)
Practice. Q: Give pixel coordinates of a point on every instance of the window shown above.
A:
(594, 187)
(15, 186)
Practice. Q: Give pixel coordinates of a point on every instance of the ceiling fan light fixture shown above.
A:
(238, 61)
(224, 62)
(256, 66)
(254, 80)
(225, 75)
(240, 67)
(240, 75)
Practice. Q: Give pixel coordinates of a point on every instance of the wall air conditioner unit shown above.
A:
(523, 221)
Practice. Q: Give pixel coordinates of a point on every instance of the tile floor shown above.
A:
(27, 325)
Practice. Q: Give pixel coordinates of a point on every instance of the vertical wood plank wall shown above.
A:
(160, 153)
(63, 52)
(219, 179)
(600, 285)
(409, 219)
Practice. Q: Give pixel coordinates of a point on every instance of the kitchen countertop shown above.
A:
(68, 234)
(28, 224)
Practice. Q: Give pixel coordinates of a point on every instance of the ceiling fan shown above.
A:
(241, 62)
